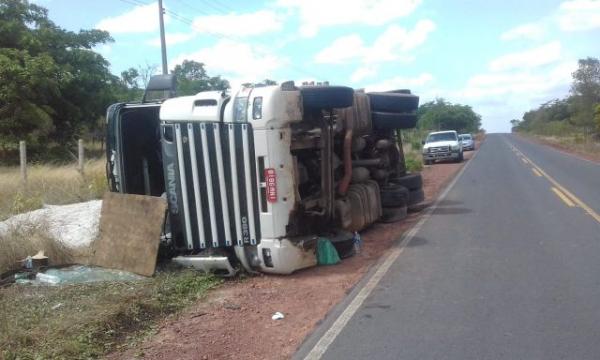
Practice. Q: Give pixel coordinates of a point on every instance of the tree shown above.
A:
(192, 79)
(514, 123)
(52, 85)
(443, 115)
(130, 78)
(585, 93)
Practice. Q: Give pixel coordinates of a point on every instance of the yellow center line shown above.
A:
(563, 197)
(566, 192)
(536, 172)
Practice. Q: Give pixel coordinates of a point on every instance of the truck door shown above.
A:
(114, 164)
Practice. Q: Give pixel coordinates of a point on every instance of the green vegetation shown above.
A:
(577, 116)
(54, 89)
(87, 321)
(436, 116)
(441, 115)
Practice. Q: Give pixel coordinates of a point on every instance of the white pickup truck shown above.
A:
(442, 145)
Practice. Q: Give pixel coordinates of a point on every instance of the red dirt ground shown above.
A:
(235, 321)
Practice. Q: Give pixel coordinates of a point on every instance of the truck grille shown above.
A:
(439, 149)
(213, 168)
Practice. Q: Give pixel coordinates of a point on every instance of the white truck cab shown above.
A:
(254, 177)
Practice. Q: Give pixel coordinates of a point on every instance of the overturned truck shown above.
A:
(254, 177)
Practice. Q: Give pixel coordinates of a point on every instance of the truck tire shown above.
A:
(399, 91)
(327, 97)
(415, 197)
(410, 181)
(393, 102)
(394, 195)
(395, 214)
(343, 241)
(391, 121)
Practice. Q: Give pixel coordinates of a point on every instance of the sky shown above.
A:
(501, 57)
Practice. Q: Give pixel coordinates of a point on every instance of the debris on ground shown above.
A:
(326, 252)
(130, 228)
(277, 316)
(77, 274)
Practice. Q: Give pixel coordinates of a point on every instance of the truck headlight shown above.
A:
(455, 147)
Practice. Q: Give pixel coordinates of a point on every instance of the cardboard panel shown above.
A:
(130, 227)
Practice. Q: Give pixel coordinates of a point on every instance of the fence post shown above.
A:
(23, 161)
(80, 155)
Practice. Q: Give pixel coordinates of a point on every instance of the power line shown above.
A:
(190, 22)
(186, 4)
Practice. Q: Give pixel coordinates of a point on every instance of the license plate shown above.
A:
(271, 180)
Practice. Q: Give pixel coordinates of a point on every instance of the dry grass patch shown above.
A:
(49, 184)
(85, 321)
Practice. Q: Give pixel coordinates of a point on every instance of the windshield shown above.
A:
(465, 137)
(448, 136)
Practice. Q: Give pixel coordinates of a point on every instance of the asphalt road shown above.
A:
(506, 267)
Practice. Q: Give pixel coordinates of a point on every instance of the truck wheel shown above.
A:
(391, 120)
(394, 195)
(415, 197)
(393, 102)
(327, 97)
(410, 181)
(395, 214)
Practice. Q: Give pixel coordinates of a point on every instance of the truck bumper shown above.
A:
(273, 256)
(282, 256)
(441, 156)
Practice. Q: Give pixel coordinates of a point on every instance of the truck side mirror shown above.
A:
(422, 142)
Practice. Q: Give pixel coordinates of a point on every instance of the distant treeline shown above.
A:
(443, 115)
(576, 114)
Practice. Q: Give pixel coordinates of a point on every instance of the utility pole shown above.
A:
(163, 45)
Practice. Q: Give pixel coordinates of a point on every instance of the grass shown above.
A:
(88, 320)
(574, 142)
(49, 184)
(411, 145)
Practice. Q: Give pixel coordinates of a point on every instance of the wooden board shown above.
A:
(130, 228)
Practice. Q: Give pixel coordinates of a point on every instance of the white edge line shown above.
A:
(327, 339)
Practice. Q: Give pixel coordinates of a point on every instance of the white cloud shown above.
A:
(236, 60)
(392, 44)
(542, 55)
(531, 31)
(400, 82)
(172, 39)
(240, 25)
(140, 19)
(579, 15)
(341, 50)
(521, 83)
(315, 14)
(362, 73)
(501, 96)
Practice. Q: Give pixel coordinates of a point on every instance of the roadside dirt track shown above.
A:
(235, 321)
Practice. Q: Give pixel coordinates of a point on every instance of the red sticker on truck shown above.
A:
(271, 180)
